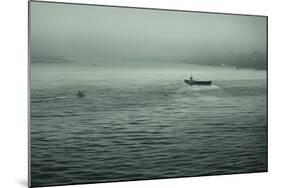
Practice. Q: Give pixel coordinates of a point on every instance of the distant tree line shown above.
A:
(254, 60)
(49, 59)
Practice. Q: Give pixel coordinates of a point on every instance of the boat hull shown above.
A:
(194, 82)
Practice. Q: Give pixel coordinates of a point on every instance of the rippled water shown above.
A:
(145, 124)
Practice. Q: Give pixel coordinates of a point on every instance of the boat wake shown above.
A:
(203, 88)
(50, 98)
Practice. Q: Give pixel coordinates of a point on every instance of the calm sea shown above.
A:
(138, 122)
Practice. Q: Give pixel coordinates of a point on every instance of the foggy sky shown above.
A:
(97, 33)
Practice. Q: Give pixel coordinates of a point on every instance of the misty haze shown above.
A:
(123, 94)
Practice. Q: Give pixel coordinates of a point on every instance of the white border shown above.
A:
(13, 95)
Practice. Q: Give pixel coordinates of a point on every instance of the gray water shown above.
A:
(144, 123)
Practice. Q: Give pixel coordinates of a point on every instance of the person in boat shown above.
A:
(80, 94)
(191, 79)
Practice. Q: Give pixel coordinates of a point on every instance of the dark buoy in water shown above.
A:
(80, 94)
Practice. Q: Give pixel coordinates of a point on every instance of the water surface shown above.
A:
(143, 123)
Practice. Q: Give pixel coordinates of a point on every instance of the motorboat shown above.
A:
(192, 82)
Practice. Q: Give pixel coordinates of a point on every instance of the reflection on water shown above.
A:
(145, 123)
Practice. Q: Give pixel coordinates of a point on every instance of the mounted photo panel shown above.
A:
(126, 93)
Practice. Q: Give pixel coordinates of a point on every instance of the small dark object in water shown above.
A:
(80, 94)
(195, 82)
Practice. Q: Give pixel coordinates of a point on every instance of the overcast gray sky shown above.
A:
(89, 33)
